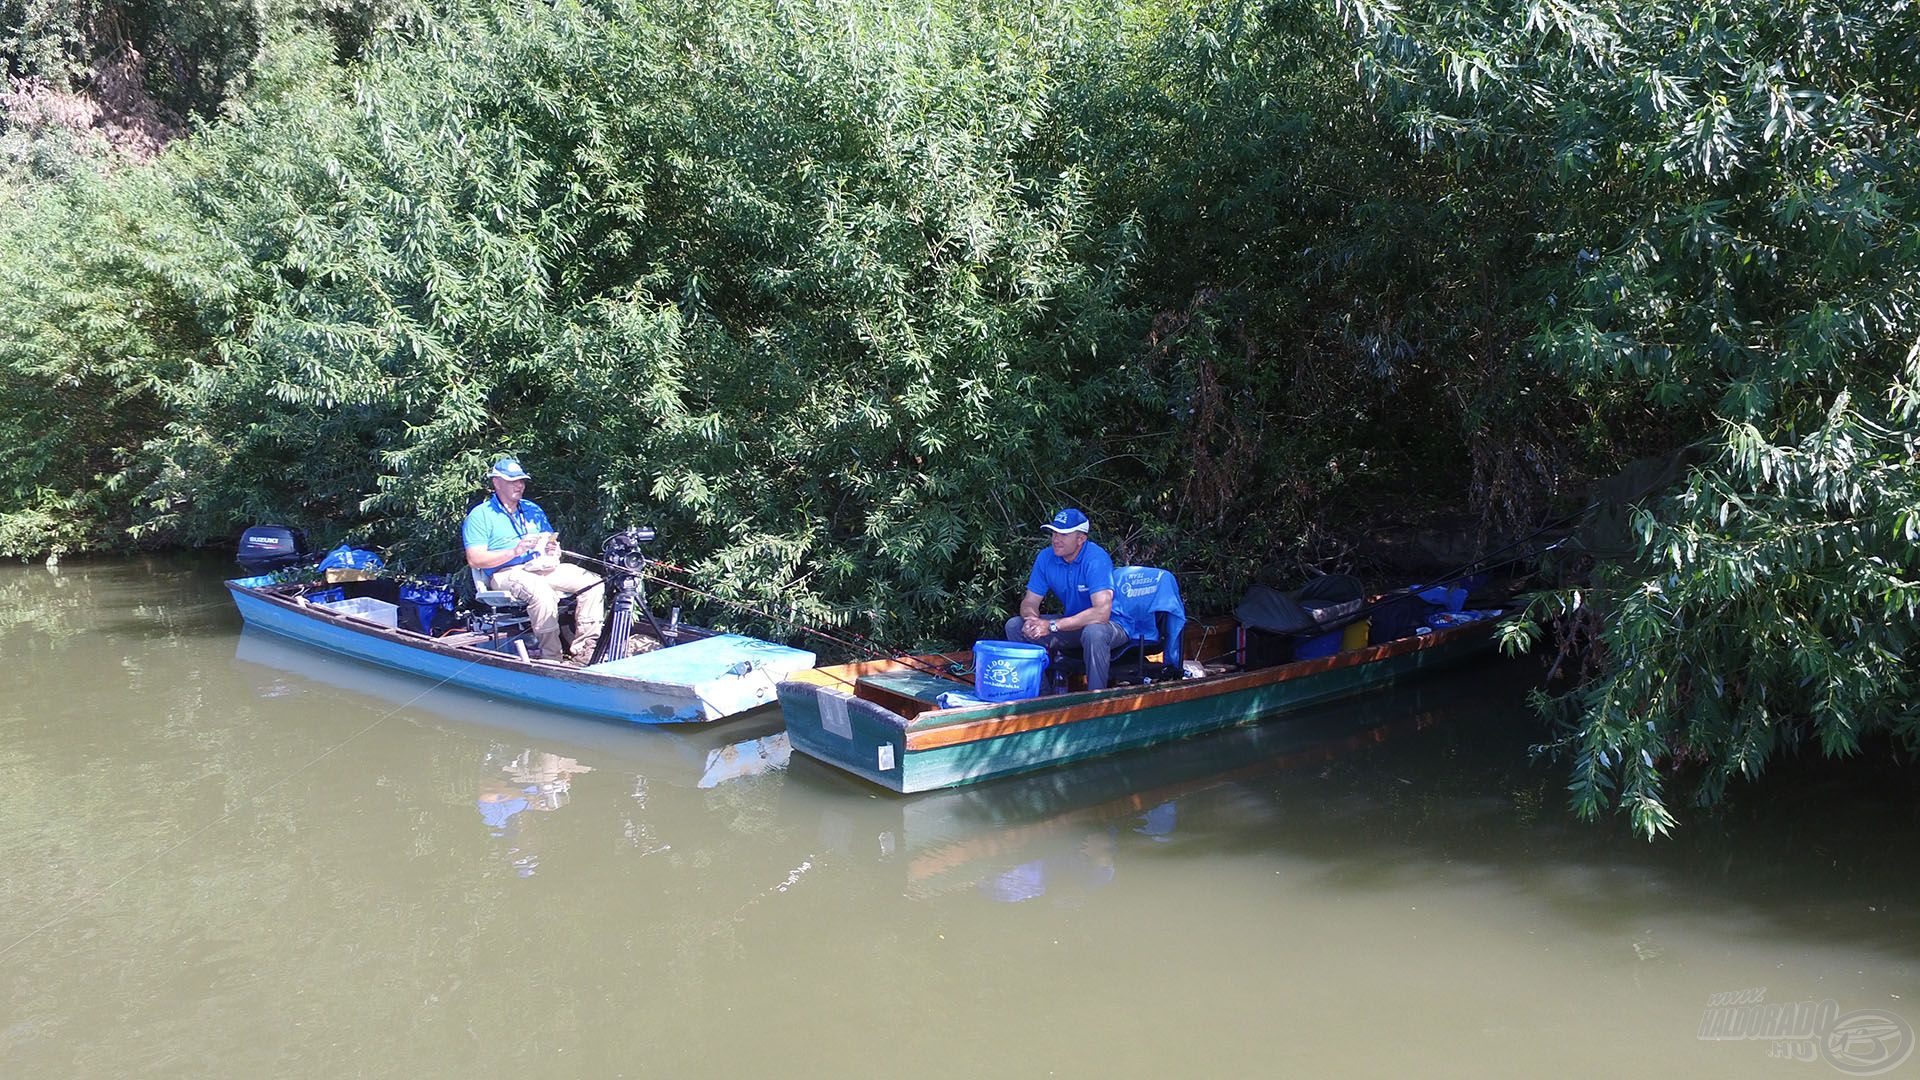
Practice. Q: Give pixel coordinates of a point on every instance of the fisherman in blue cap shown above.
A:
(512, 545)
(1079, 572)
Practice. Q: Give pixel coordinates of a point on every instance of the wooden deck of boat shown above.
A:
(901, 691)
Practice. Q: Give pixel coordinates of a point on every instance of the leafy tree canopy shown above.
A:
(1724, 199)
(846, 295)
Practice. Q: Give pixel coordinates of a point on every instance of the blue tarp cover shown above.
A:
(352, 558)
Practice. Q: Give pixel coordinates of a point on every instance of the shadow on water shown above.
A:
(162, 597)
(1430, 786)
(1809, 850)
(1427, 786)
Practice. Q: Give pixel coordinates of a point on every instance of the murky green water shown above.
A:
(231, 856)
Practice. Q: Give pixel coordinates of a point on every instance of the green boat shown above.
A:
(883, 721)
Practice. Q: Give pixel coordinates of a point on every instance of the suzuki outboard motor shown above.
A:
(266, 548)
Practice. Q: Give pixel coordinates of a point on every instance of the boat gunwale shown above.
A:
(464, 652)
(978, 723)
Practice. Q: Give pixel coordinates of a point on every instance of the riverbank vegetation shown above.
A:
(846, 295)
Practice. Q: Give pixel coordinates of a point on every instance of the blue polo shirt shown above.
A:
(489, 525)
(1073, 582)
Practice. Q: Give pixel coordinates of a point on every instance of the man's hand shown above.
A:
(1034, 627)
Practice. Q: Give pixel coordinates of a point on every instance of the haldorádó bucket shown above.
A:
(1007, 670)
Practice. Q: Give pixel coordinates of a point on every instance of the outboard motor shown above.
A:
(266, 548)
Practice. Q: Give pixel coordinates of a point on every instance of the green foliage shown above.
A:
(1334, 315)
(845, 295)
(799, 289)
(1776, 608)
(190, 56)
(1726, 198)
(91, 336)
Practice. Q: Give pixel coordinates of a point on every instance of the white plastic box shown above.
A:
(366, 607)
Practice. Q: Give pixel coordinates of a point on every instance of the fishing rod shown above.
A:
(1468, 568)
(859, 643)
(1479, 563)
(1557, 523)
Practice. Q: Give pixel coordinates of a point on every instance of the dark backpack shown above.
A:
(1320, 603)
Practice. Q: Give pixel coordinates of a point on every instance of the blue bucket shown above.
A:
(1007, 670)
(1318, 645)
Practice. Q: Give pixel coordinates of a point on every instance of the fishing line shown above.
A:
(860, 643)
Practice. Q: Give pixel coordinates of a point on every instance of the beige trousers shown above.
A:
(541, 591)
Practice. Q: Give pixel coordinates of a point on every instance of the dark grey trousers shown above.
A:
(1099, 641)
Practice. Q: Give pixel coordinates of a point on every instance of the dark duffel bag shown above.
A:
(1398, 617)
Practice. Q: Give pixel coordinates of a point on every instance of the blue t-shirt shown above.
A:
(1073, 582)
(489, 525)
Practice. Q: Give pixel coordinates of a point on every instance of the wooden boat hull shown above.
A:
(694, 696)
(845, 716)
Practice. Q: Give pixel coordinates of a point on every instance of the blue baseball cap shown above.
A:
(1069, 520)
(509, 469)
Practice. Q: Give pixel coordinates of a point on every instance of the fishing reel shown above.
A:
(625, 549)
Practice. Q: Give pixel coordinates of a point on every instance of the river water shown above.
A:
(228, 856)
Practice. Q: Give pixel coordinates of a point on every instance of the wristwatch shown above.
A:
(1053, 626)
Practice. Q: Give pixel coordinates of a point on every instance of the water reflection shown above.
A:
(218, 865)
(1389, 792)
(1055, 833)
(751, 757)
(1089, 866)
(1024, 837)
(530, 782)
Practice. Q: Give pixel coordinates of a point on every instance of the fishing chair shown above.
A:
(496, 612)
(1147, 605)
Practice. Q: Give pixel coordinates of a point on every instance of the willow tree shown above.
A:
(1723, 196)
(799, 281)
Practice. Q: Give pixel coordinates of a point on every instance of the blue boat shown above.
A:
(677, 754)
(702, 676)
